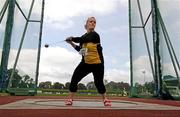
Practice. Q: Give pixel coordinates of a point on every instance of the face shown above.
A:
(90, 24)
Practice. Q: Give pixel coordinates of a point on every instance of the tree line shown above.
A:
(89, 86)
(25, 81)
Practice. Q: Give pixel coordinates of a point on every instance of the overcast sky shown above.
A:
(65, 18)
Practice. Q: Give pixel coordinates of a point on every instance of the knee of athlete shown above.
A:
(101, 88)
(73, 87)
(99, 84)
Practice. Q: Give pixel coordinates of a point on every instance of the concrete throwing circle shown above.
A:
(83, 104)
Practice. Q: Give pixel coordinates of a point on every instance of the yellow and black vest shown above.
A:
(90, 48)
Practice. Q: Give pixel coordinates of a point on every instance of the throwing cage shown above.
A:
(154, 49)
(20, 42)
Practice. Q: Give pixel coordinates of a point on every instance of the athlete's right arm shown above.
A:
(76, 47)
(76, 39)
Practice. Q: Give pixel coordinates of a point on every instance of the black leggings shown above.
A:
(84, 69)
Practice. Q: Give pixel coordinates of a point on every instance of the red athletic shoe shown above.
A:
(107, 102)
(69, 102)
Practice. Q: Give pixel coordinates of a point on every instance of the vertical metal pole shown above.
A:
(132, 92)
(6, 45)
(39, 46)
(156, 40)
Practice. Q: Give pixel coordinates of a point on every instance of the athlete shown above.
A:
(92, 61)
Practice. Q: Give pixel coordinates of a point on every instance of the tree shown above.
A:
(81, 86)
(48, 84)
(27, 82)
(16, 79)
(139, 88)
(67, 85)
(105, 81)
(150, 87)
(91, 86)
(58, 85)
(42, 85)
(112, 86)
(19, 81)
(122, 85)
(31, 83)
